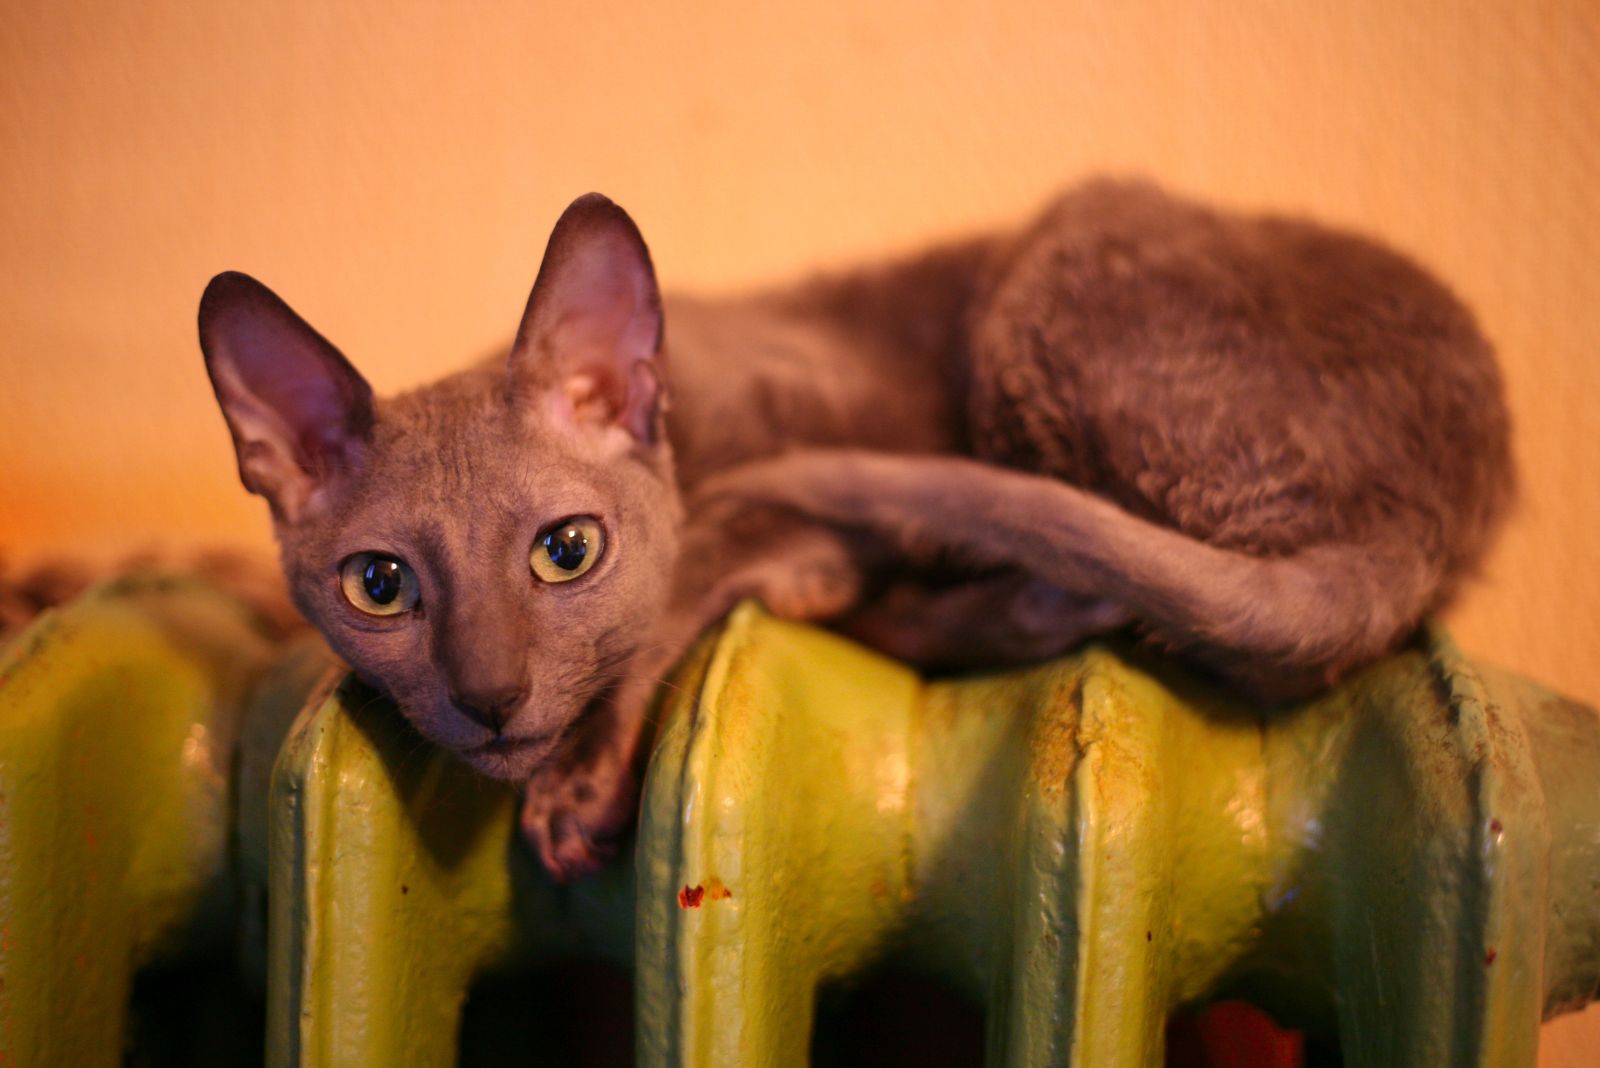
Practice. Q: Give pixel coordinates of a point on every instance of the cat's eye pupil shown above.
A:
(566, 546)
(382, 580)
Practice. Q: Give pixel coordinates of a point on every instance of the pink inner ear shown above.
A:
(593, 398)
(592, 322)
(606, 292)
(599, 395)
(278, 365)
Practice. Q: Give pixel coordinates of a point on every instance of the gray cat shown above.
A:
(1267, 446)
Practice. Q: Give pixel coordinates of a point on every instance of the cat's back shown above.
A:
(1263, 383)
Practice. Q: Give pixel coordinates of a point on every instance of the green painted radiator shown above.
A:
(1409, 864)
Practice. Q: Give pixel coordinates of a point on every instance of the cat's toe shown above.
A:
(567, 846)
(576, 856)
(558, 840)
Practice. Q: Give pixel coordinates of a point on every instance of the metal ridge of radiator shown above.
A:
(1409, 862)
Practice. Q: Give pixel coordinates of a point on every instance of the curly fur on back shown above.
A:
(1263, 384)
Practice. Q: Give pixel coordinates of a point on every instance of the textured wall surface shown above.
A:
(393, 170)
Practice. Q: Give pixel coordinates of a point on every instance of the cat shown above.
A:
(1267, 446)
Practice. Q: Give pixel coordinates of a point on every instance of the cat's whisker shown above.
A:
(653, 680)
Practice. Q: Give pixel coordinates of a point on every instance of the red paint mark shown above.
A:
(1488, 958)
(713, 889)
(1495, 827)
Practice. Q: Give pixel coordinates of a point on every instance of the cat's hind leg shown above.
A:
(987, 622)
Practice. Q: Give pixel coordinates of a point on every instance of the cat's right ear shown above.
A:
(298, 412)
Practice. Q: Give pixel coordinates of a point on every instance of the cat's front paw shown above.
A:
(575, 817)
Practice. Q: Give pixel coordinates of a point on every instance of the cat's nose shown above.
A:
(489, 708)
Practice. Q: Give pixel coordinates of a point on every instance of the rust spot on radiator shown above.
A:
(1056, 748)
(713, 889)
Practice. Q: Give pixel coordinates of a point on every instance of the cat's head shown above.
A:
(488, 550)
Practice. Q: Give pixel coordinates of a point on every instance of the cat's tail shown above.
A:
(1280, 627)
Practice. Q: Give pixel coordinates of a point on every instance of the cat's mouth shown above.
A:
(509, 757)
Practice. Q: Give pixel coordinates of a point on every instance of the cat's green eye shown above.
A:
(378, 585)
(568, 549)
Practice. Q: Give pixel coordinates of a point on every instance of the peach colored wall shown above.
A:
(393, 169)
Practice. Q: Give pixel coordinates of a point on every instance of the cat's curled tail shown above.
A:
(1279, 627)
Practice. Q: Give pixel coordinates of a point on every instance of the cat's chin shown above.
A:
(510, 759)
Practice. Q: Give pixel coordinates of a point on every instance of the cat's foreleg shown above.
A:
(578, 809)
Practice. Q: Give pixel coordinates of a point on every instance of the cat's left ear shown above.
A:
(590, 338)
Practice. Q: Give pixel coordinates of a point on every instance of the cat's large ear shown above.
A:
(298, 412)
(590, 336)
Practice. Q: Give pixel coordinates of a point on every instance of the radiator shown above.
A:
(1409, 865)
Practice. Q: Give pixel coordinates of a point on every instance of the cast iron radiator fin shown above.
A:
(1084, 848)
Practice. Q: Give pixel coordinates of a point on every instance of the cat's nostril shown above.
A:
(489, 708)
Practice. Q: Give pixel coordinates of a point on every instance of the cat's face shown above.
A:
(489, 550)
(490, 572)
